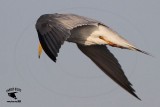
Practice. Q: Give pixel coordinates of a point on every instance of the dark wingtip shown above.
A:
(136, 96)
(55, 60)
(139, 99)
(46, 49)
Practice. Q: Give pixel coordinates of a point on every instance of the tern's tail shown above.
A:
(134, 48)
(112, 38)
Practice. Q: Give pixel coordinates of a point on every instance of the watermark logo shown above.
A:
(12, 93)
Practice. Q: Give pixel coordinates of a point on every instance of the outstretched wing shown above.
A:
(51, 35)
(54, 29)
(106, 61)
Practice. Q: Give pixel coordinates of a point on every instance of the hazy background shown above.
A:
(75, 81)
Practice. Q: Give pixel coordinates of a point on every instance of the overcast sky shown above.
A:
(75, 81)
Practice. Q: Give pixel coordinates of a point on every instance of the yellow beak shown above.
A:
(39, 50)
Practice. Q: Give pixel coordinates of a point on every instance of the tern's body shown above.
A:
(91, 36)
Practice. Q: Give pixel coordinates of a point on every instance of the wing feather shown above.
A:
(106, 61)
(51, 35)
(54, 29)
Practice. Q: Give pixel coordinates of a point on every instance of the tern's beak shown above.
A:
(39, 50)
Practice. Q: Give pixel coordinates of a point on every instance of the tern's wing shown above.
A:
(51, 35)
(54, 29)
(106, 61)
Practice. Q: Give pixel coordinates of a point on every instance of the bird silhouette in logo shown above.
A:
(12, 94)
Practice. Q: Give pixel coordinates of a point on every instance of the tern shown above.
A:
(91, 37)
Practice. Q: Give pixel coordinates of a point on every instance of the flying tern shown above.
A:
(91, 37)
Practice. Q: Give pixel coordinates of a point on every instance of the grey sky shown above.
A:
(75, 80)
